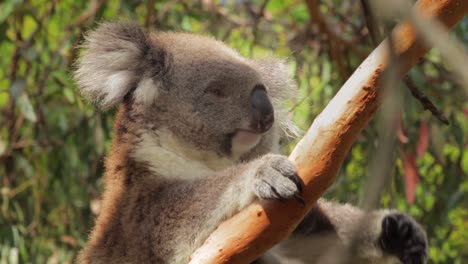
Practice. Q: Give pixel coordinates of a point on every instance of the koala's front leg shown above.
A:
(332, 230)
(216, 198)
(269, 177)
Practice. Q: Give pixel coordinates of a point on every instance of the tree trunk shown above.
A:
(319, 155)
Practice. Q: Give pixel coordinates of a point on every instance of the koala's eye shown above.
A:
(216, 90)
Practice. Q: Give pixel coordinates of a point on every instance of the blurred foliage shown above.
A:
(52, 144)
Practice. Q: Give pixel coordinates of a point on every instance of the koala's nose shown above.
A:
(263, 115)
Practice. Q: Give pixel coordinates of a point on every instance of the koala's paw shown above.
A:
(276, 178)
(403, 237)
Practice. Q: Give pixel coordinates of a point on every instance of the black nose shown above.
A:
(263, 115)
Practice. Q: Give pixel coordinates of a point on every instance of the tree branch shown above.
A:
(371, 23)
(373, 26)
(320, 153)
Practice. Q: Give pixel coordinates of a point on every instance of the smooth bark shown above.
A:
(320, 154)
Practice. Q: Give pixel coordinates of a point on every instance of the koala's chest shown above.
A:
(170, 160)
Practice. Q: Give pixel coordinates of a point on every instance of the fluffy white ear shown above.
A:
(116, 57)
(146, 91)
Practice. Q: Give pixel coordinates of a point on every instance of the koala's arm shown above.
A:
(326, 235)
(269, 177)
(204, 203)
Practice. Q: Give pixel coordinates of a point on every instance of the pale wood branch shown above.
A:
(319, 155)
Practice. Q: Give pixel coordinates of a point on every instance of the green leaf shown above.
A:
(26, 108)
(17, 87)
(68, 92)
(2, 147)
(3, 99)
(13, 258)
(186, 25)
(7, 8)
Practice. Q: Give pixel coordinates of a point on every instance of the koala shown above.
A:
(196, 139)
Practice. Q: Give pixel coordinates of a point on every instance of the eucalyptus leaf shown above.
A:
(68, 92)
(2, 147)
(17, 87)
(26, 107)
(8, 7)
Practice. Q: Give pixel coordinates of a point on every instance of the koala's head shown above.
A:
(196, 87)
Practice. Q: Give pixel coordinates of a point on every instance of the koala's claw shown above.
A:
(276, 178)
(300, 200)
(403, 237)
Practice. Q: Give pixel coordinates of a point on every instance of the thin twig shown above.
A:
(336, 43)
(424, 100)
(150, 13)
(371, 23)
(257, 16)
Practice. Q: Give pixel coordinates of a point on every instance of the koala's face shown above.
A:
(199, 89)
(213, 101)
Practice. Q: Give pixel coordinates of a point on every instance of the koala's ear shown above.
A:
(118, 57)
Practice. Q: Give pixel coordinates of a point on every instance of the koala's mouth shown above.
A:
(247, 137)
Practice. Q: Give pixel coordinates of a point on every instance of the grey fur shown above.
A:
(179, 164)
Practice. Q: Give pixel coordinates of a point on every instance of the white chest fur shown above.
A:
(168, 157)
